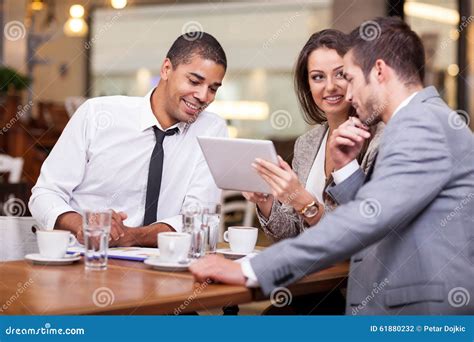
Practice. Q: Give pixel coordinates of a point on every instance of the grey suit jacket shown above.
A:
(409, 229)
(284, 221)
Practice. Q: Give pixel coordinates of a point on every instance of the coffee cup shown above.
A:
(174, 246)
(54, 243)
(241, 239)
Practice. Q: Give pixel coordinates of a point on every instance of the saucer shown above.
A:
(41, 260)
(227, 252)
(167, 266)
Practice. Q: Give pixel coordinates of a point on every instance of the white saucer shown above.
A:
(167, 266)
(66, 260)
(227, 252)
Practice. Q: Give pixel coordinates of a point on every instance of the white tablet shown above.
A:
(230, 161)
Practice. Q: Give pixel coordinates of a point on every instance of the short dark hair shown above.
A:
(330, 39)
(393, 41)
(196, 43)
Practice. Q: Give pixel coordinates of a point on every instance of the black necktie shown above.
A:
(155, 172)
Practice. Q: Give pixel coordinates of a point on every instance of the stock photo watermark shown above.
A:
(281, 119)
(104, 28)
(47, 329)
(21, 288)
(459, 119)
(179, 310)
(103, 119)
(465, 22)
(14, 30)
(103, 296)
(458, 297)
(280, 297)
(22, 110)
(370, 208)
(192, 30)
(375, 291)
(457, 210)
(14, 207)
(286, 25)
(369, 30)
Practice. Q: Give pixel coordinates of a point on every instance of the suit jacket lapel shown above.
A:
(308, 159)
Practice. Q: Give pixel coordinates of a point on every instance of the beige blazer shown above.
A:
(284, 221)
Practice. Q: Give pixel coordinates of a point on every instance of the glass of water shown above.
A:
(211, 214)
(96, 227)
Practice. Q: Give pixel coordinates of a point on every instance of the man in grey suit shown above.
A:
(409, 227)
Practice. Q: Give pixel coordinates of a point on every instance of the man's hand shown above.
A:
(117, 228)
(347, 141)
(218, 269)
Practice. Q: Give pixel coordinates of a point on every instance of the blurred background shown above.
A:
(55, 54)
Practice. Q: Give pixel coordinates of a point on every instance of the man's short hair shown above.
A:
(197, 43)
(393, 41)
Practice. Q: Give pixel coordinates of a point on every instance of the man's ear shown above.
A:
(380, 71)
(166, 68)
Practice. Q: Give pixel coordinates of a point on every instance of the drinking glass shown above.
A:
(211, 213)
(96, 225)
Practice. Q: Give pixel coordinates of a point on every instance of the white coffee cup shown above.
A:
(241, 239)
(174, 247)
(54, 243)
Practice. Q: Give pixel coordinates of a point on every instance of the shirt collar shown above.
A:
(404, 103)
(148, 118)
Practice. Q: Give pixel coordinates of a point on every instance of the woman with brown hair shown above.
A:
(299, 197)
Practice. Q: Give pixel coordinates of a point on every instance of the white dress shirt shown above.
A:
(102, 158)
(338, 176)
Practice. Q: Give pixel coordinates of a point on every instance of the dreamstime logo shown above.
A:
(14, 207)
(465, 22)
(102, 297)
(192, 30)
(192, 208)
(196, 292)
(284, 27)
(22, 110)
(102, 30)
(369, 30)
(458, 119)
(458, 209)
(370, 208)
(14, 30)
(281, 297)
(103, 119)
(281, 119)
(21, 288)
(458, 296)
(377, 288)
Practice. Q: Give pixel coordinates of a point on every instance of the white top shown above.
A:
(339, 176)
(102, 158)
(317, 175)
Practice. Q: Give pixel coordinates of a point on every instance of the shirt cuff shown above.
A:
(176, 222)
(248, 272)
(342, 174)
(50, 219)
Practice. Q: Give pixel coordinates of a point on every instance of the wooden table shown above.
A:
(128, 288)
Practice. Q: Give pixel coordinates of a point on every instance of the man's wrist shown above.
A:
(340, 175)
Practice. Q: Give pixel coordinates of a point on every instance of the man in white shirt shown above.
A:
(406, 258)
(138, 156)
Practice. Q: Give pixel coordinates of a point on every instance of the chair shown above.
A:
(17, 237)
(12, 166)
(235, 210)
